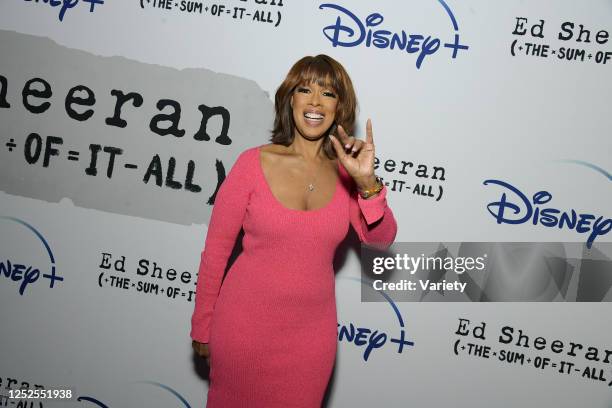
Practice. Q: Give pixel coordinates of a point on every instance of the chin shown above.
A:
(313, 133)
(312, 136)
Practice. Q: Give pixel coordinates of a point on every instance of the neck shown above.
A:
(310, 150)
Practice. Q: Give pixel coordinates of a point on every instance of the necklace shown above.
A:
(311, 186)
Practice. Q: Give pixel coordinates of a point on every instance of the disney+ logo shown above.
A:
(13, 267)
(371, 339)
(351, 31)
(514, 207)
(65, 5)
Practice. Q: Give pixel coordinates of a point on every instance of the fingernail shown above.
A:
(346, 146)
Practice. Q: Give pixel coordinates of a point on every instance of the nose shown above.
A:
(315, 98)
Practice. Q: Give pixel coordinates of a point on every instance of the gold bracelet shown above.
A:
(375, 190)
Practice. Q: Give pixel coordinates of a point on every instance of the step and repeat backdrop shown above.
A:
(119, 120)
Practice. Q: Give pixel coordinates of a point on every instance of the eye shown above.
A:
(303, 89)
(329, 94)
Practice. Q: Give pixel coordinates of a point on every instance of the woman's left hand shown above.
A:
(357, 156)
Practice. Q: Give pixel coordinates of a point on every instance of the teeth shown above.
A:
(313, 116)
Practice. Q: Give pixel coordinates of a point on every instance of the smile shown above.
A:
(314, 118)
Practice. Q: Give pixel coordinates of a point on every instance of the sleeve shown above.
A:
(372, 219)
(225, 223)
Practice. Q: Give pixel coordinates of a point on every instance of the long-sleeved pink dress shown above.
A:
(271, 328)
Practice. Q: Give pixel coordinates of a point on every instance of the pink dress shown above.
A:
(272, 326)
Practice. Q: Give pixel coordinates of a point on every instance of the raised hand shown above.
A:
(357, 156)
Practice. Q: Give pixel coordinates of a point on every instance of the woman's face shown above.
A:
(314, 109)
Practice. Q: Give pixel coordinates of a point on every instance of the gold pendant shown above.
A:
(310, 187)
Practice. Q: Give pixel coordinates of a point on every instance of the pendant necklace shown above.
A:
(311, 186)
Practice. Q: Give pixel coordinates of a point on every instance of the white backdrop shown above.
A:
(514, 91)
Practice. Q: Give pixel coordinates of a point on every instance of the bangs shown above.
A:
(321, 72)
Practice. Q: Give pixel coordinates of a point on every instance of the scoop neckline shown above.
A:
(277, 201)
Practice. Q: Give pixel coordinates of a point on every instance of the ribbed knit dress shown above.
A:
(271, 327)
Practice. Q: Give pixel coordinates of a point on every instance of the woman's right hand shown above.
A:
(201, 350)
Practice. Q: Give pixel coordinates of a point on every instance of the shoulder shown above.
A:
(273, 153)
(243, 165)
(253, 156)
(243, 169)
(273, 149)
(248, 156)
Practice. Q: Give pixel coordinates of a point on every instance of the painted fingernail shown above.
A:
(346, 146)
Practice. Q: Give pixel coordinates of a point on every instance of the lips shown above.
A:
(311, 115)
(314, 118)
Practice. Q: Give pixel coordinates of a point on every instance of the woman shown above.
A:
(271, 339)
